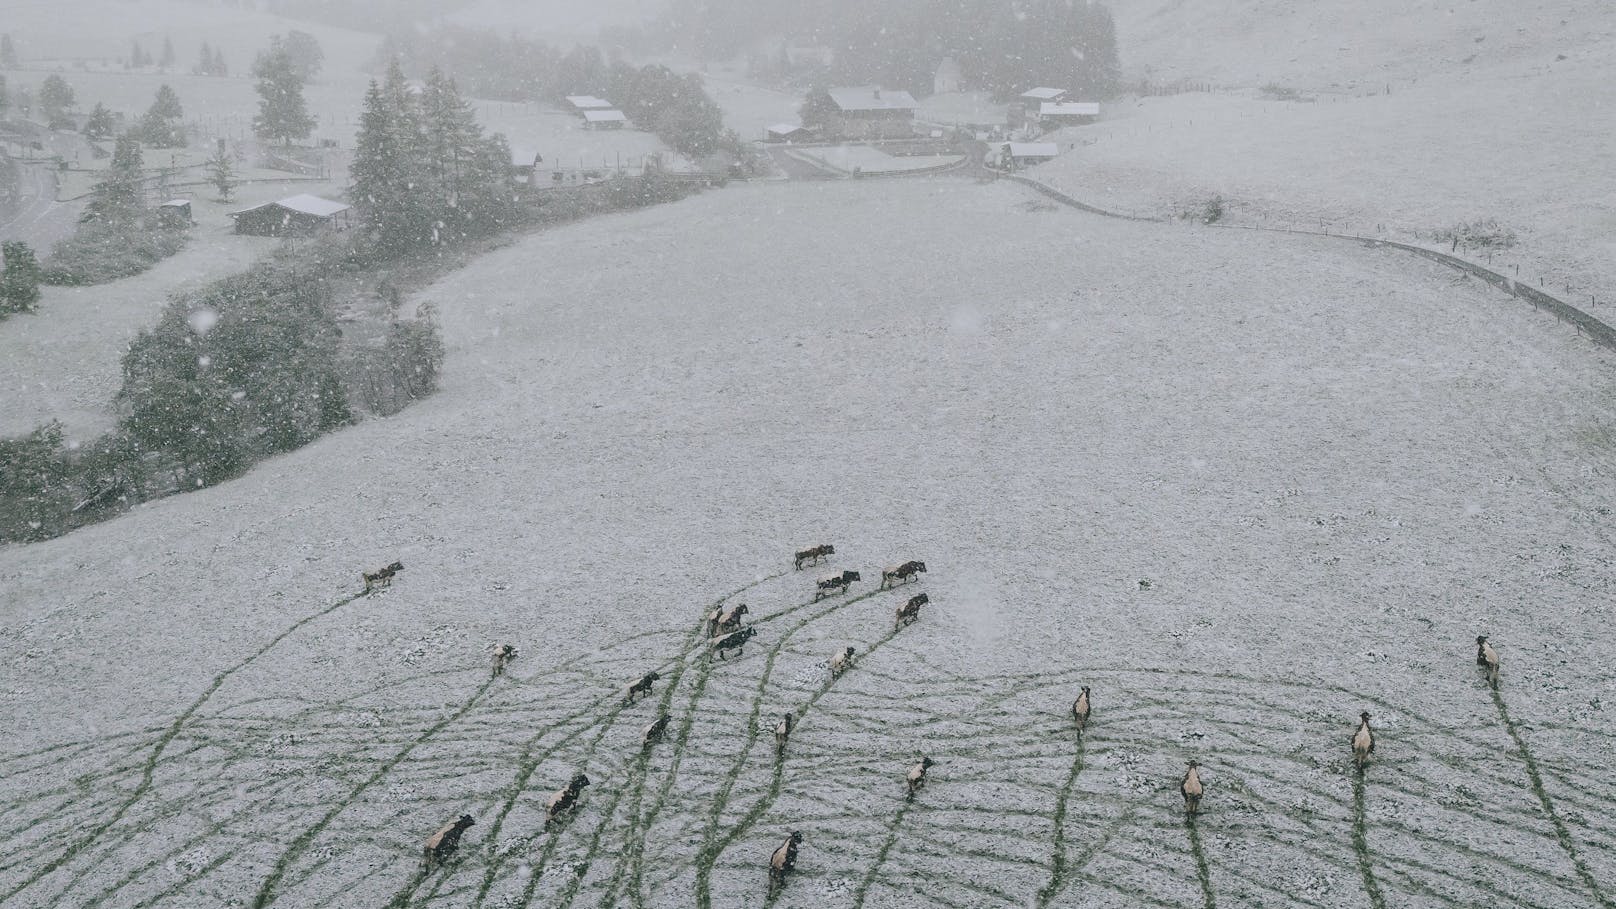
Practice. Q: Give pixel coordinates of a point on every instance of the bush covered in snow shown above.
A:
(1482, 233)
(100, 252)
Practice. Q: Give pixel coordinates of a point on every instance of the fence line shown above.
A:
(1598, 331)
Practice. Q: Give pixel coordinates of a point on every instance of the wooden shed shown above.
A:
(294, 216)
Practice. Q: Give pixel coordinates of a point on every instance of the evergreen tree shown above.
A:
(304, 52)
(220, 68)
(137, 56)
(5, 98)
(282, 113)
(817, 108)
(168, 58)
(117, 198)
(163, 124)
(56, 98)
(19, 283)
(8, 53)
(383, 173)
(222, 173)
(451, 137)
(101, 124)
(205, 66)
(34, 485)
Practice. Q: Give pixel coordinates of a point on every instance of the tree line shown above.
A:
(1001, 47)
(675, 107)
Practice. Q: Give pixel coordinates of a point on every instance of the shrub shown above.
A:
(35, 497)
(102, 251)
(1483, 233)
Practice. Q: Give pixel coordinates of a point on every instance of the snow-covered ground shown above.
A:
(1332, 466)
(62, 362)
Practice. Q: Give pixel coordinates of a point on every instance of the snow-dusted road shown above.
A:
(1242, 486)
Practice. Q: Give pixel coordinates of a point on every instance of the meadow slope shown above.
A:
(1331, 466)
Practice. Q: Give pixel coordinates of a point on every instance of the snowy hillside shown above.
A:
(1243, 486)
(1339, 43)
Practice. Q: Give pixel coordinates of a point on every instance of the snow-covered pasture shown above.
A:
(1333, 467)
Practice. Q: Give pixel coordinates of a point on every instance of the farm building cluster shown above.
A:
(597, 113)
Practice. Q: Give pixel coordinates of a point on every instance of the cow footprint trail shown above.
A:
(1535, 779)
(712, 847)
(528, 764)
(148, 771)
(1057, 871)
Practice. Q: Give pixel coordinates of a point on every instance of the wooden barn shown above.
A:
(294, 216)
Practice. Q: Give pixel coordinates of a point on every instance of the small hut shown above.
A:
(295, 216)
(175, 214)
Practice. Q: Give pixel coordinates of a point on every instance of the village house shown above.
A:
(872, 113)
(604, 119)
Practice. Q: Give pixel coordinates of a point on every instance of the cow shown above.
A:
(917, 775)
(1192, 789)
(713, 618)
(731, 620)
(782, 733)
(813, 555)
(503, 655)
(443, 844)
(902, 574)
(784, 860)
(656, 731)
(642, 687)
(381, 577)
(910, 611)
(1080, 710)
(1363, 741)
(564, 800)
(841, 662)
(1487, 658)
(735, 640)
(835, 584)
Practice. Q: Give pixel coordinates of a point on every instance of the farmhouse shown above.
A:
(872, 113)
(1069, 113)
(294, 216)
(948, 79)
(604, 119)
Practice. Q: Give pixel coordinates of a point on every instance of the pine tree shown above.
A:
(56, 98)
(282, 113)
(5, 98)
(168, 58)
(304, 52)
(817, 108)
(384, 172)
(162, 126)
(137, 56)
(451, 139)
(222, 173)
(117, 198)
(8, 53)
(19, 283)
(205, 67)
(220, 68)
(100, 125)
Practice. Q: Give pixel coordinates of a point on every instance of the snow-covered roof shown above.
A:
(1033, 149)
(872, 98)
(303, 204)
(785, 129)
(1069, 109)
(1043, 94)
(175, 203)
(588, 102)
(604, 116)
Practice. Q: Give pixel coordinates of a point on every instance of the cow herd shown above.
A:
(727, 635)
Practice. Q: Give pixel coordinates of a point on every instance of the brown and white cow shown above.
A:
(731, 620)
(564, 800)
(443, 844)
(813, 555)
(917, 775)
(1081, 708)
(1192, 789)
(842, 661)
(784, 860)
(1363, 741)
(381, 577)
(1487, 658)
(902, 574)
(504, 654)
